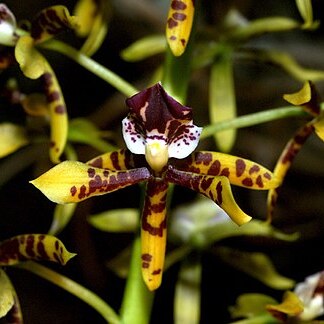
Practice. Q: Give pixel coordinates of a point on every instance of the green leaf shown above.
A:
(260, 27)
(7, 294)
(118, 220)
(144, 48)
(257, 265)
(222, 104)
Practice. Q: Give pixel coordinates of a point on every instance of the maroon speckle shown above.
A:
(206, 182)
(30, 245)
(73, 191)
(255, 168)
(173, 38)
(172, 23)
(179, 16)
(183, 43)
(214, 168)
(60, 109)
(97, 163)
(115, 160)
(146, 257)
(247, 182)
(259, 181)
(82, 193)
(225, 172)
(156, 272)
(219, 189)
(53, 96)
(57, 245)
(178, 5)
(91, 172)
(267, 175)
(240, 167)
(145, 265)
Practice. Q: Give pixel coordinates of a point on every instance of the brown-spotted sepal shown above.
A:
(240, 172)
(216, 188)
(153, 232)
(8, 26)
(121, 159)
(307, 98)
(179, 23)
(72, 181)
(33, 247)
(50, 22)
(58, 114)
(159, 127)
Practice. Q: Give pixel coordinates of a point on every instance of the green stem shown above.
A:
(137, 300)
(91, 65)
(74, 288)
(254, 119)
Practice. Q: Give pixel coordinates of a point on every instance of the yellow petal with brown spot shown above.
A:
(239, 171)
(72, 181)
(179, 23)
(33, 247)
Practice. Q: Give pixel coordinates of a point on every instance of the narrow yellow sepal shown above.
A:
(153, 254)
(153, 233)
(72, 181)
(58, 115)
(179, 24)
(33, 247)
(239, 171)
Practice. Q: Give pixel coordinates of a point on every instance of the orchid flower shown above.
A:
(307, 98)
(160, 137)
(33, 64)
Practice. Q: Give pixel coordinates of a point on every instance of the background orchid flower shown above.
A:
(307, 98)
(33, 64)
(160, 137)
(93, 17)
